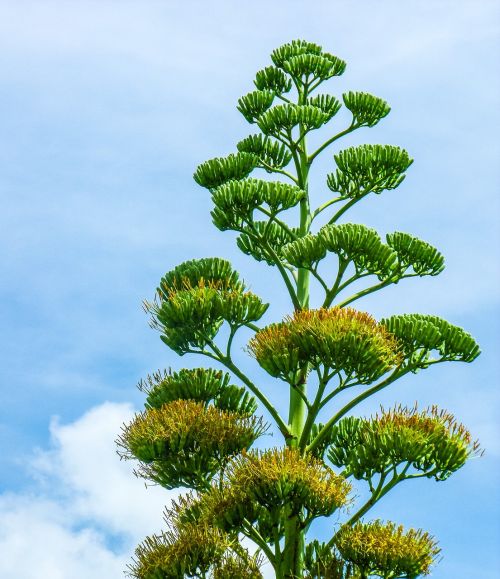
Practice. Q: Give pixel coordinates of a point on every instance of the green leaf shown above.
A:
(269, 151)
(190, 273)
(272, 233)
(243, 197)
(305, 252)
(367, 110)
(368, 168)
(287, 116)
(309, 67)
(215, 172)
(280, 55)
(274, 79)
(414, 253)
(327, 103)
(255, 103)
(360, 245)
(419, 334)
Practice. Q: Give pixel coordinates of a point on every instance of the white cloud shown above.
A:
(87, 511)
(37, 540)
(102, 487)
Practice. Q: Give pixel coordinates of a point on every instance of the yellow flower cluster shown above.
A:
(184, 443)
(430, 441)
(238, 568)
(387, 550)
(430, 421)
(272, 481)
(337, 338)
(186, 425)
(189, 552)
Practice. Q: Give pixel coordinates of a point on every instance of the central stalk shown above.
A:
(297, 415)
(297, 409)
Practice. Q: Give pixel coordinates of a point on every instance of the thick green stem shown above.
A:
(298, 409)
(313, 412)
(294, 532)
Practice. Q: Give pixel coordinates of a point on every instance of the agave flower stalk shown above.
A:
(197, 428)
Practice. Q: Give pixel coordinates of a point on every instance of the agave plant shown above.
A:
(197, 429)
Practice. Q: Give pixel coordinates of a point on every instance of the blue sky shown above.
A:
(107, 108)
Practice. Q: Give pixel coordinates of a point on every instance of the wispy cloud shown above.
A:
(107, 109)
(39, 541)
(85, 511)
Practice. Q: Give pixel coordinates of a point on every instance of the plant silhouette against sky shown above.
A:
(198, 427)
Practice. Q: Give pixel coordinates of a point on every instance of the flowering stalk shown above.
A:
(198, 427)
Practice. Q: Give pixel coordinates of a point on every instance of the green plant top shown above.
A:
(198, 426)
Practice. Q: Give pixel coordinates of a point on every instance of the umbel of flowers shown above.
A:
(244, 508)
